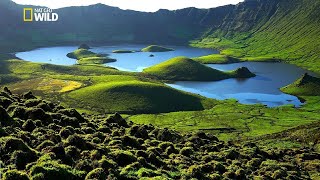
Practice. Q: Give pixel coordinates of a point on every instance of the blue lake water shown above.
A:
(127, 61)
(264, 88)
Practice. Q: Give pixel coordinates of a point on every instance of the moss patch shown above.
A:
(112, 147)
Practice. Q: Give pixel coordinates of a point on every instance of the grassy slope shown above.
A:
(233, 121)
(132, 96)
(155, 48)
(305, 86)
(185, 69)
(95, 60)
(290, 34)
(306, 136)
(215, 59)
(98, 86)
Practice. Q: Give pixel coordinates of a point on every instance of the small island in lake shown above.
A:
(185, 69)
(123, 51)
(85, 56)
(156, 48)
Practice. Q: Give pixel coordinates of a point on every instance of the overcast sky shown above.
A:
(139, 5)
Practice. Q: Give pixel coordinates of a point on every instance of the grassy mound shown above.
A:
(242, 72)
(155, 48)
(48, 141)
(82, 53)
(216, 59)
(122, 51)
(305, 86)
(136, 97)
(85, 56)
(185, 69)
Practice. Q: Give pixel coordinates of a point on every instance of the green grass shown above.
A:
(49, 80)
(84, 56)
(133, 96)
(123, 51)
(155, 48)
(230, 120)
(24, 69)
(305, 86)
(82, 53)
(185, 69)
(283, 32)
(215, 59)
(107, 90)
(124, 91)
(95, 60)
(304, 135)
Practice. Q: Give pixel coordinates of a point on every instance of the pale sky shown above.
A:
(139, 5)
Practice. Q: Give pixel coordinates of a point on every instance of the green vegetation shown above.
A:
(82, 53)
(99, 147)
(132, 96)
(185, 69)
(298, 137)
(259, 30)
(93, 88)
(43, 140)
(155, 48)
(241, 72)
(230, 120)
(85, 56)
(283, 32)
(216, 59)
(123, 51)
(305, 86)
(95, 60)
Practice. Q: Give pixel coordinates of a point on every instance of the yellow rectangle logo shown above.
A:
(25, 18)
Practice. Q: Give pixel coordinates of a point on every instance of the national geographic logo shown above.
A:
(39, 14)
